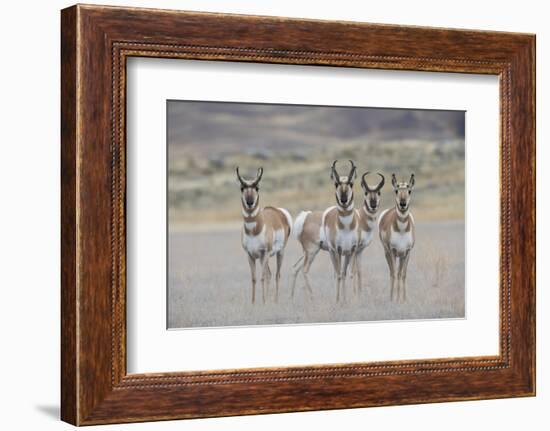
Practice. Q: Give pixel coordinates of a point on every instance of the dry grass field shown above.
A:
(209, 282)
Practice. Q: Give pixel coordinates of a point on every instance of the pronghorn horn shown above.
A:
(241, 179)
(258, 176)
(334, 173)
(381, 183)
(364, 183)
(351, 175)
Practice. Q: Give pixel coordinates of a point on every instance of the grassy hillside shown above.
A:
(204, 189)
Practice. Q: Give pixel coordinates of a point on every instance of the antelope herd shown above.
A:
(341, 230)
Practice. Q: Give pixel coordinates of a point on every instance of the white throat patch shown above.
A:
(252, 214)
(346, 220)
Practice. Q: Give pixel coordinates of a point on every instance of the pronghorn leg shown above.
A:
(394, 275)
(359, 275)
(267, 277)
(354, 274)
(399, 260)
(278, 274)
(264, 261)
(307, 256)
(268, 274)
(391, 265)
(335, 264)
(358, 271)
(339, 292)
(307, 266)
(297, 267)
(298, 262)
(347, 259)
(252, 263)
(389, 262)
(404, 265)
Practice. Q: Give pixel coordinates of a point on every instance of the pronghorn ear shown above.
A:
(393, 181)
(411, 181)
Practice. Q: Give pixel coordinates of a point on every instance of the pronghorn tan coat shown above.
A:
(367, 217)
(265, 233)
(339, 227)
(367, 225)
(397, 233)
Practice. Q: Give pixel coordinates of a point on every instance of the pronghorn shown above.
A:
(367, 222)
(339, 227)
(307, 230)
(396, 230)
(265, 233)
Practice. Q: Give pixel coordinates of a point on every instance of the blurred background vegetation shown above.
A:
(296, 146)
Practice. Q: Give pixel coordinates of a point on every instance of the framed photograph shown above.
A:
(265, 215)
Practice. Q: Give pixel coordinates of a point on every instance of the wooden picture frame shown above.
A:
(95, 43)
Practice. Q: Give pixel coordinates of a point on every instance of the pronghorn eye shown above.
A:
(409, 191)
(242, 189)
(396, 192)
(378, 193)
(256, 188)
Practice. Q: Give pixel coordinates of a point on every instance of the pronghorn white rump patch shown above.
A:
(322, 233)
(298, 227)
(288, 217)
(254, 245)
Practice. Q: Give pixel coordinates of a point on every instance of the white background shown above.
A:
(151, 348)
(29, 215)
